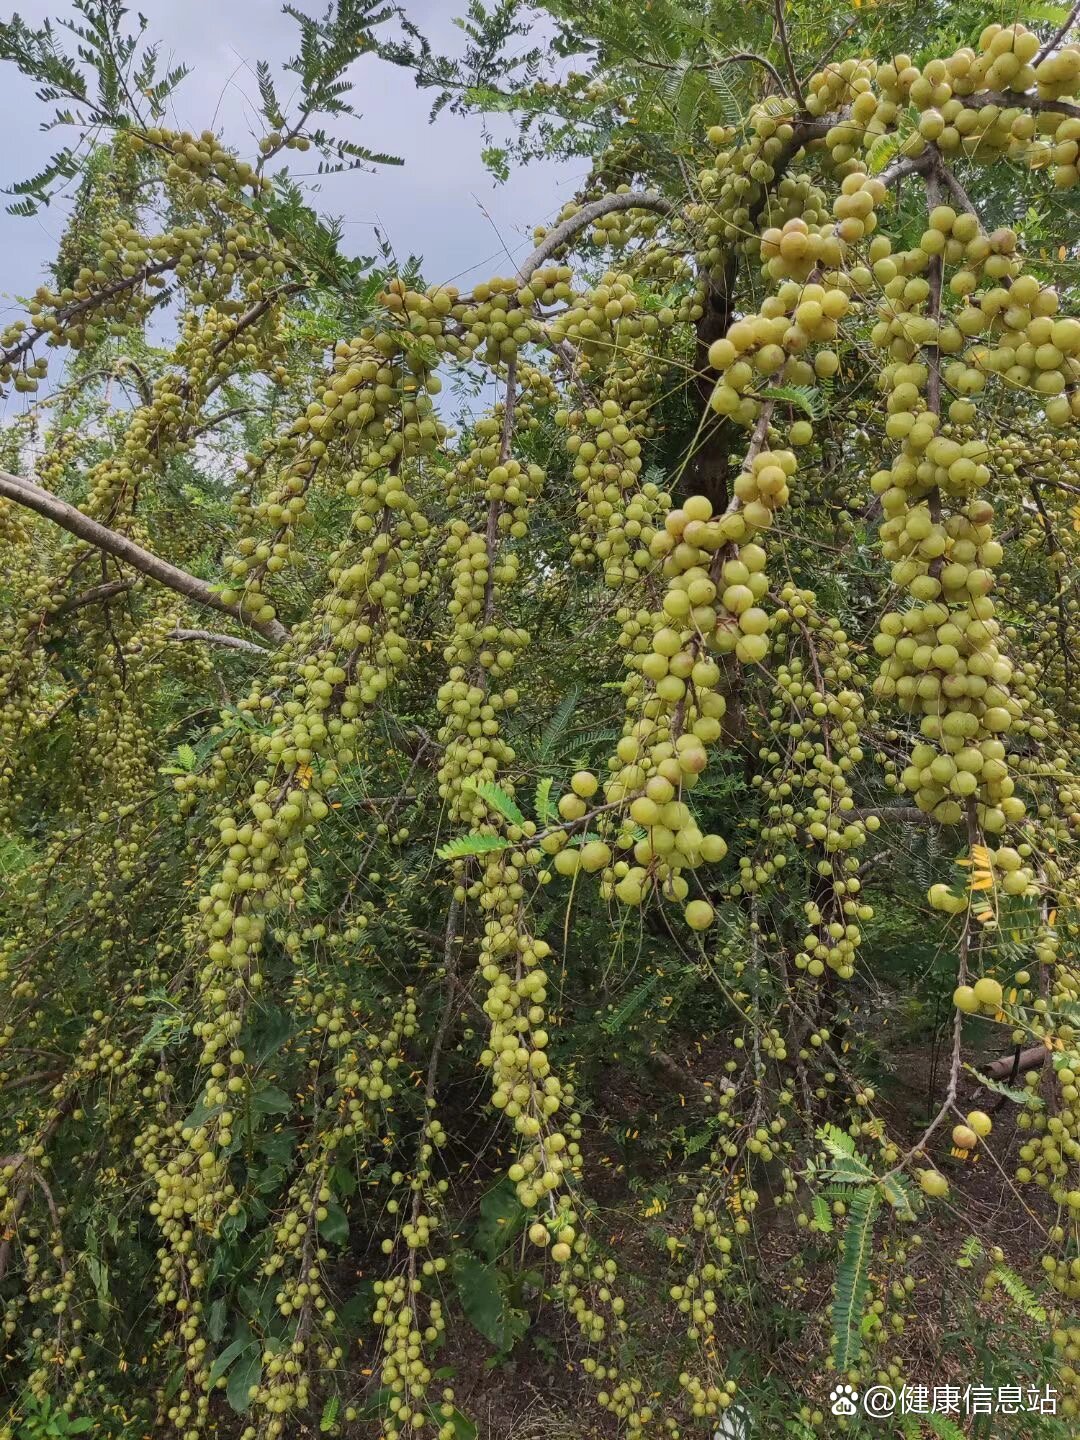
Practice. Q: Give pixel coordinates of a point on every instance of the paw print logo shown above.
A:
(844, 1400)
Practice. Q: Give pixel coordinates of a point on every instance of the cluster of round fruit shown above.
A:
(406, 1330)
(769, 346)
(674, 708)
(816, 726)
(600, 321)
(1013, 876)
(363, 406)
(975, 101)
(616, 513)
(986, 996)
(977, 1126)
(477, 648)
(211, 256)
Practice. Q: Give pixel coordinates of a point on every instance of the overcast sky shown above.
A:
(441, 204)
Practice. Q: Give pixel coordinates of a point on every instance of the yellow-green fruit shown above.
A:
(989, 993)
(584, 783)
(567, 862)
(699, 914)
(572, 807)
(539, 1233)
(942, 898)
(934, 1184)
(964, 998)
(964, 1137)
(595, 855)
(980, 1122)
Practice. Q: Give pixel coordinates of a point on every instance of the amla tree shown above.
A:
(778, 481)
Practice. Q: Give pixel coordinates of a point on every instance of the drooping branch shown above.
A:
(83, 527)
(563, 233)
(81, 307)
(755, 59)
(214, 637)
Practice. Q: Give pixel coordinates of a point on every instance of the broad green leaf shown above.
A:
(501, 1215)
(244, 1374)
(227, 1356)
(335, 1227)
(464, 1429)
(270, 1100)
(481, 1298)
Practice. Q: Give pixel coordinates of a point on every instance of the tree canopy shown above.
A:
(580, 900)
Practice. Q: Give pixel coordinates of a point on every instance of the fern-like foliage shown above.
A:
(464, 845)
(853, 1277)
(1019, 1293)
(1018, 1094)
(542, 800)
(496, 798)
(90, 90)
(822, 1215)
(806, 398)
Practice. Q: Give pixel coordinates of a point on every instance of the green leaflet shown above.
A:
(943, 1427)
(852, 1278)
(542, 801)
(847, 1166)
(1019, 1293)
(1017, 1094)
(822, 1215)
(881, 152)
(557, 725)
(464, 845)
(804, 397)
(898, 1193)
(496, 797)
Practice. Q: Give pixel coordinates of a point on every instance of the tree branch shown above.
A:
(1055, 40)
(214, 637)
(1022, 100)
(606, 205)
(90, 597)
(44, 503)
(72, 312)
(755, 59)
(781, 25)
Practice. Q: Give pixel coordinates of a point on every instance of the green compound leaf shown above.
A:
(465, 845)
